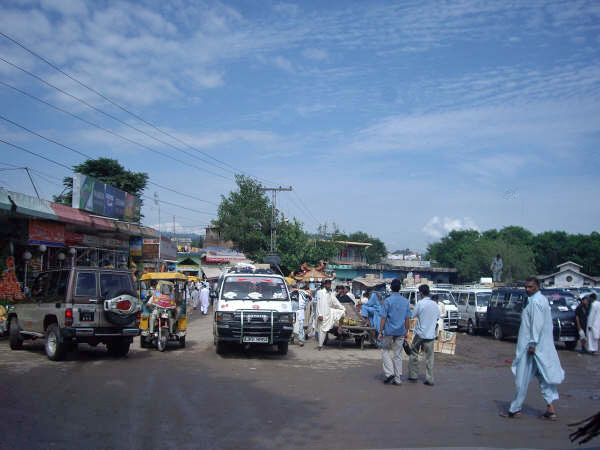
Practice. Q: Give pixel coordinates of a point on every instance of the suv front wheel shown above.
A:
(55, 348)
(498, 334)
(15, 338)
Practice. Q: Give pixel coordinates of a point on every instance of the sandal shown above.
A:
(549, 416)
(511, 415)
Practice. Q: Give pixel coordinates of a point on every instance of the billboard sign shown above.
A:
(100, 198)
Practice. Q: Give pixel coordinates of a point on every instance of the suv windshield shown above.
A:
(445, 297)
(254, 288)
(483, 299)
(113, 284)
(561, 300)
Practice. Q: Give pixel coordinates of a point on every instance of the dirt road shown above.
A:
(193, 398)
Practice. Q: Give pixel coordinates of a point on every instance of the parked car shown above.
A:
(472, 304)
(452, 316)
(77, 305)
(506, 306)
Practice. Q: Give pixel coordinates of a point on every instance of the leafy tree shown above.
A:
(376, 252)
(108, 171)
(244, 217)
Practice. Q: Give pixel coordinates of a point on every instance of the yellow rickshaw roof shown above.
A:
(193, 278)
(163, 276)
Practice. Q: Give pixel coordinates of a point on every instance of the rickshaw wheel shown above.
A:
(182, 341)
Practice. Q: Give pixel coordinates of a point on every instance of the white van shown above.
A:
(446, 298)
(472, 306)
(253, 307)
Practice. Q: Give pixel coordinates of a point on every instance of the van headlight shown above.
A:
(224, 316)
(287, 317)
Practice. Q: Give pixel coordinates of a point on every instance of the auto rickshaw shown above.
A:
(164, 284)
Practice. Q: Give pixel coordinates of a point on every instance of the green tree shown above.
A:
(244, 217)
(108, 171)
(376, 252)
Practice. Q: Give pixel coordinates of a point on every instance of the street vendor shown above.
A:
(329, 312)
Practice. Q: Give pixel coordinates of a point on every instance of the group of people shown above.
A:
(392, 322)
(200, 295)
(587, 316)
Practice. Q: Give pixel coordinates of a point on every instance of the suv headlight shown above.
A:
(224, 316)
(287, 317)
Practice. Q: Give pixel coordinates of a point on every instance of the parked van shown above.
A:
(446, 298)
(506, 306)
(472, 304)
(253, 307)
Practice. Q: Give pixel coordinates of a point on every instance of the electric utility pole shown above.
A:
(274, 192)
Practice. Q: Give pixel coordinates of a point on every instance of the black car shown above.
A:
(506, 305)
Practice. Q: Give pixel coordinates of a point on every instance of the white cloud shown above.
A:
(283, 63)
(315, 54)
(436, 227)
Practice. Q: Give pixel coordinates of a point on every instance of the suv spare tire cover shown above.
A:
(119, 319)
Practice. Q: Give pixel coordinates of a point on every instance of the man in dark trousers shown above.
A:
(392, 330)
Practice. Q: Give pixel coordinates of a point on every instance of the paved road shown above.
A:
(193, 398)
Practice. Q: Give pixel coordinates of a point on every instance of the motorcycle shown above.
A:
(164, 330)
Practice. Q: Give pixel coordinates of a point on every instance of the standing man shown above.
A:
(204, 299)
(392, 331)
(581, 318)
(536, 354)
(300, 315)
(195, 297)
(496, 268)
(329, 312)
(427, 313)
(593, 325)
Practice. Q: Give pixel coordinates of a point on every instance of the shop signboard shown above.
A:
(135, 246)
(100, 198)
(48, 233)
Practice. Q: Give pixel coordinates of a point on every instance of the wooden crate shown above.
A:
(446, 343)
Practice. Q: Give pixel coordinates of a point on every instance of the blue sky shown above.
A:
(402, 119)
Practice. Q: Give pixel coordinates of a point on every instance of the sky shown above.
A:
(403, 119)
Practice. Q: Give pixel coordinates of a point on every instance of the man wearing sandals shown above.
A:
(536, 355)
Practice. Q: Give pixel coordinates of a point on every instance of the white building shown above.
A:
(569, 275)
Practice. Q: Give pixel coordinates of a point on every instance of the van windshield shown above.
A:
(254, 288)
(483, 299)
(445, 297)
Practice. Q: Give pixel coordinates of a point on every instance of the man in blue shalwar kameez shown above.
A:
(536, 354)
(372, 311)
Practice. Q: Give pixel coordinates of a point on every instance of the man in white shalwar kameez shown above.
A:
(593, 325)
(329, 312)
(204, 300)
(536, 354)
(195, 297)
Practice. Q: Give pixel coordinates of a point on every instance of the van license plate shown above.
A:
(567, 338)
(256, 339)
(86, 316)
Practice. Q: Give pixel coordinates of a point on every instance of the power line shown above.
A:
(183, 194)
(44, 137)
(112, 102)
(35, 154)
(68, 168)
(112, 117)
(90, 157)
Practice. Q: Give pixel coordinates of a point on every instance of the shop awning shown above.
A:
(82, 218)
(212, 273)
